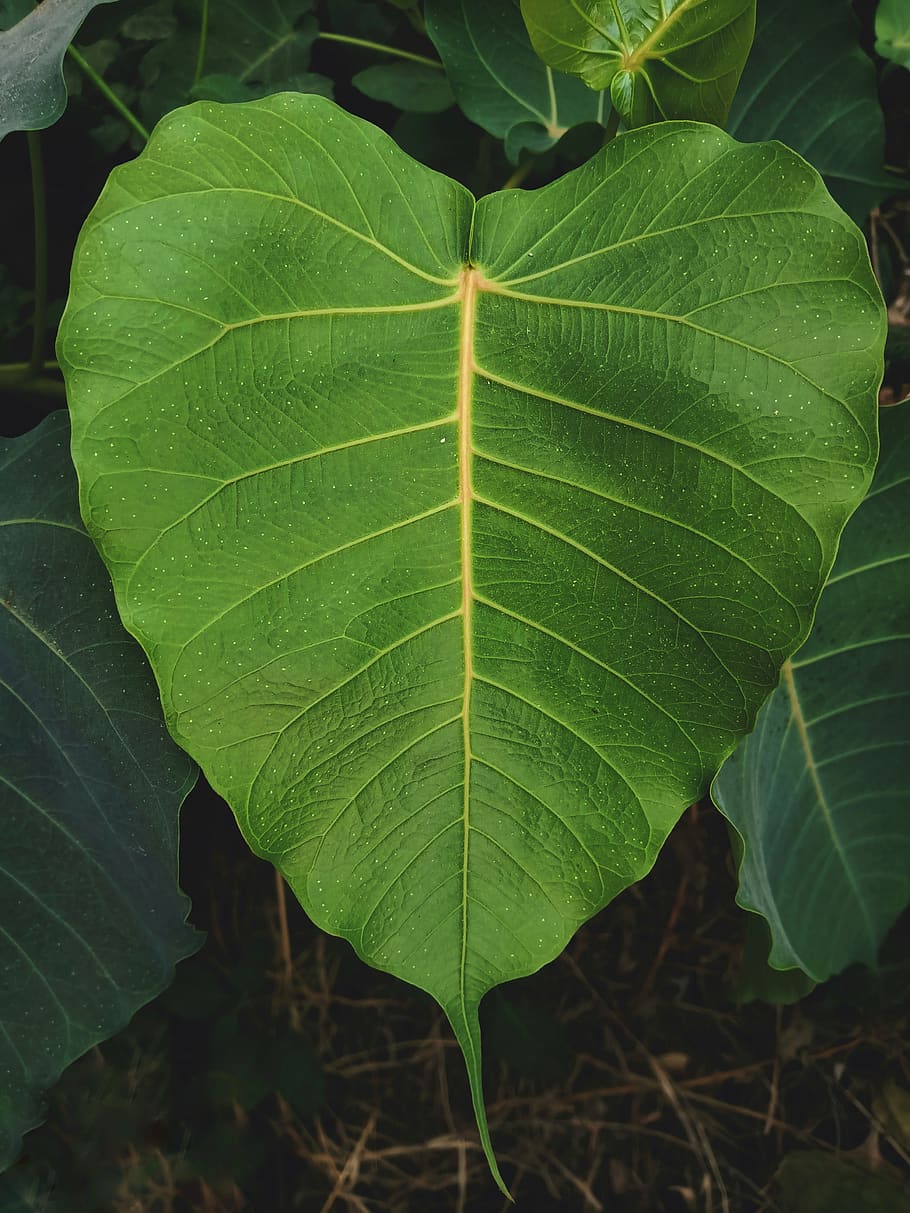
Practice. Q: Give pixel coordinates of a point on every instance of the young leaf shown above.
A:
(465, 538)
(658, 58)
(92, 918)
(498, 80)
(809, 84)
(32, 93)
(818, 790)
(892, 31)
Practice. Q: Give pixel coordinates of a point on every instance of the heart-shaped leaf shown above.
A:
(809, 83)
(818, 791)
(499, 81)
(32, 92)
(465, 538)
(658, 58)
(91, 918)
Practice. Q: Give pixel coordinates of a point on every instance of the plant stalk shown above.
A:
(203, 39)
(380, 47)
(103, 87)
(611, 127)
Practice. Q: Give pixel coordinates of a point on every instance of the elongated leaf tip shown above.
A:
(466, 1026)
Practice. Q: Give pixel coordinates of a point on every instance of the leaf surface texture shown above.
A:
(465, 539)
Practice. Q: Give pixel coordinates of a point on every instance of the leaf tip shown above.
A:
(466, 1026)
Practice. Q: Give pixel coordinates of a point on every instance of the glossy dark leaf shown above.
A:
(91, 917)
(499, 81)
(818, 791)
(808, 83)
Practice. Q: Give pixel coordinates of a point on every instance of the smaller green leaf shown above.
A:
(818, 791)
(416, 87)
(672, 59)
(498, 80)
(33, 94)
(892, 31)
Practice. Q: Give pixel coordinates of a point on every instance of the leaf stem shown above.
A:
(15, 377)
(519, 175)
(381, 47)
(39, 211)
(203, 39)
(86, 68)
(611, 127)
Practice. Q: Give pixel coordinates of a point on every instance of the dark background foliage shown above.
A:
(640, 1071)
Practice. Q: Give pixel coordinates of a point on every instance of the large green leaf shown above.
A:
(91, 918)
(500, 82)
(819, 790)
(892, 31)
(32, 92)
(465, 539)
(809, 84)
(658, 58)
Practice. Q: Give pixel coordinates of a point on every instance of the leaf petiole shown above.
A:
(103, 87)
(203, 38)
(348, 40)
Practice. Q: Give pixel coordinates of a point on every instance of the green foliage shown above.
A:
(466, 538)
(402, 582)
(658, 58)
(808, 83)
(252, 48)
(818, 789)
(31, 60)
(892, 31)
(499, 81)
(89, 777)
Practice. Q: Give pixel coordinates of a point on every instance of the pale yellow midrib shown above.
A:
(799, 719)
(469, 288)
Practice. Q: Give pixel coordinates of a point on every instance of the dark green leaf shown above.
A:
(465, 538)
(658, 58)
(817, 1181)
(90, 786)
(411, 86)
(253, 48)
(757, 981)
(500, 82)
(32, 93)
(818, 791)
(808, 83)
